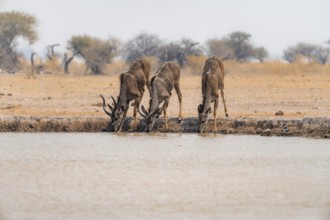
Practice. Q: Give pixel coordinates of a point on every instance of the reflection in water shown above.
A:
(162, 176)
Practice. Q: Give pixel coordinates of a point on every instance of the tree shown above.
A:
(236, 46)
(51, 51)
(289, 54)
(39, 67)
(15, 26)
(190, 47)
(321, 55)
(239, 42)
(220, 48)
(66, 61)
(143, 45)
(260, 53)
(309, 51)
(179, 51)
(94, 51)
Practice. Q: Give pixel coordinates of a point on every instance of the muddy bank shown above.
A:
(318, 127)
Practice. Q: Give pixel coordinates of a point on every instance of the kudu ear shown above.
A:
(200, 108)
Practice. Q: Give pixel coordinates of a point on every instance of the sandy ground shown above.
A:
(247, 95)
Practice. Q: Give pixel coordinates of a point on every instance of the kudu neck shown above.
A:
(122, 96)
(207, 103)
(154, 100)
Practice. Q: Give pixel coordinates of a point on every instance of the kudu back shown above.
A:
(167, 77)
(212, 82)
(132, 85)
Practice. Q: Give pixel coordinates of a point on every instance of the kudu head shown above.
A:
(150, 116)
(213, 64)
(114, 113)
(203, 117)
(119, 116)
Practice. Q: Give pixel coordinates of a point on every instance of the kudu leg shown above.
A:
(224, 103)
(165, 114)
(135, 115)
(215, 114)
(178, 92)
(136, 106)
(122, 122)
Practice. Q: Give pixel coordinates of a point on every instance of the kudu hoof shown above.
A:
(226, 115)
(180, 120)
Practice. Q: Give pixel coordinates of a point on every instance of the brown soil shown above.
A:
(72, 103)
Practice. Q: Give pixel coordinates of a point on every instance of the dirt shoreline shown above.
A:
(68, 103)
(315, 127)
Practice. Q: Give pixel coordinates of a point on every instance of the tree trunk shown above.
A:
(32, 63)
(67, 62)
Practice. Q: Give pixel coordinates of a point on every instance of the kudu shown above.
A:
(212, 82)
(167, 77)
(132, 85)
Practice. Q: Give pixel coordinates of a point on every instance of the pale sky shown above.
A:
(274, 24)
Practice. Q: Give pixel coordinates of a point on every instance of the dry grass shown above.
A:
(250, 90)
(115, 68)
(53, 66)
(193, 66)
(275, 67)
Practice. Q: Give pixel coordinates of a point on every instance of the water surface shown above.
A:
(162, 176)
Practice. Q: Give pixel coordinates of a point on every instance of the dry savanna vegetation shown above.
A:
(251, 90)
